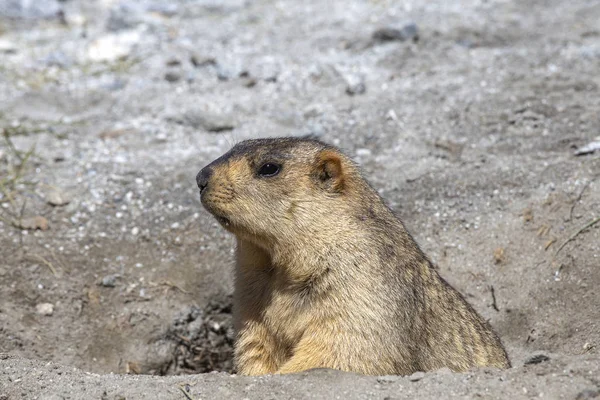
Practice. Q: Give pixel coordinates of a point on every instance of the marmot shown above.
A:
(327, 276)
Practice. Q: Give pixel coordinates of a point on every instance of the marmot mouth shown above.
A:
(223, 220)
(210, 207)
(218, 216)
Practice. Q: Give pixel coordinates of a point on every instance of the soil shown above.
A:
(466, 116)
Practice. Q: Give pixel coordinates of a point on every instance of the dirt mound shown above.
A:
(204, 339)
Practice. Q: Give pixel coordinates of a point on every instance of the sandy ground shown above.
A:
(568, 378)
(468, 126)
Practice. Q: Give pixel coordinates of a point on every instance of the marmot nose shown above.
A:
(203, 177)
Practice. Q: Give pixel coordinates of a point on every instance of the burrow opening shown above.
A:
(200, 340)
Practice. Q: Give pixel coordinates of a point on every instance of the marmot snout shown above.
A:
(327, 276)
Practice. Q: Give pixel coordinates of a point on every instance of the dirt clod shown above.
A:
(32, 223)
(499, 256)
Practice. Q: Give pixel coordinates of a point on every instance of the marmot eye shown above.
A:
(269, 169)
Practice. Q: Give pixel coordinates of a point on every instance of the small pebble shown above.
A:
(417, 376)
(355, 85)
(537, 359)
(109, 281)
(172, 76)
(45, 309)
(202, 61)
(588, 148)
(408, 31)
(55, 197)
(113, 47)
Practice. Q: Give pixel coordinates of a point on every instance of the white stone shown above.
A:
(113, 47)
(46, 309)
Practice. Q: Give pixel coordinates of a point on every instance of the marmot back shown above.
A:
(327, 276)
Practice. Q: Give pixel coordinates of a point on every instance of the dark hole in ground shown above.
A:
(203, 338)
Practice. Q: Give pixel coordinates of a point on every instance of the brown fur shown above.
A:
(326, 274)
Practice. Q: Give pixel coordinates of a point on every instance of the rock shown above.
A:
(207, 120)
(56, 197)
(391, 115)
(588, 394)
(7, 46)
(407, 32)
(172, 76)
(75, 19)
(109, 281)
(45, 309)
(126, 15)
(219, 322)
(224, 74)
(32, 223)
(355, 85)
(199, 61)
(113, 47)
(417, 376)
(313, 111)
(589, 148)
(388, 379)
(537, 359)
(249, 82)
(27, 9)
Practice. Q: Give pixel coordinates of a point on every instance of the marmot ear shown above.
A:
(329, 171)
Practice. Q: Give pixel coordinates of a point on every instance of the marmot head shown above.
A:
(275, 190)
